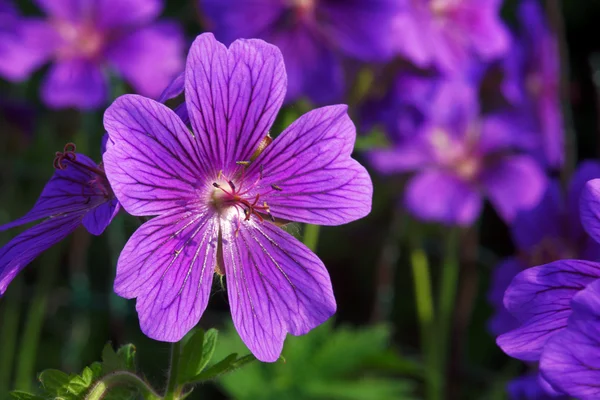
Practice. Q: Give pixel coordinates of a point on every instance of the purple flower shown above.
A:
(532, 82)
(84, 40)
(448, 34)
(313, 35)
(221, 188)
(78, 193)
(549, 232)
(532, 387)
(460, 157)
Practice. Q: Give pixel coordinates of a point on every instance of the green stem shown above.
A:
(447, 299)
(25, 370)
(311, 236)
(121, 378)
(425, 313)
(9, 333)
(173, 391)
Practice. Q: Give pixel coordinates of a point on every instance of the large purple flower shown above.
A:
(221, 188)
(448, 34)
(312, 35)
(549, 232)
(461, 157)
(84, 40)
(532, 82)
(78, 193)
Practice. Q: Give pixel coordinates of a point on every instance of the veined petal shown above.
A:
(68, 191)
(24, 248)
(149, 57)
(571, 359)
(168, 264)
(311, 165)
(540, 298)
(275, 285)
(589, 207)
(154, 164)
(98, 218)
(233, 96)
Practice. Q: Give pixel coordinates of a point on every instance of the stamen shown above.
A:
(215, 184)
(231, 185)
(267, 140)
(244, 163)
(275, 187)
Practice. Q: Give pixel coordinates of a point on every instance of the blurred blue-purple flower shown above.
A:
(85, 40)
(313, 35)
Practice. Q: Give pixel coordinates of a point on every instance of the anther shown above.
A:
(275, 187)
(215, 184)
(244, 163)
(231, 185)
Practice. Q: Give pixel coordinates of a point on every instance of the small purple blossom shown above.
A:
(77, 194)
(313, 35)
(221, 188)
(532, 82)
(449, 34)
(460, 157)
(84, 40)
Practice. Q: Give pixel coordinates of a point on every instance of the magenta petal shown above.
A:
(149, 58)
(589, 208)
(153, 165)
(571, 358)
(406, 157)
(514, 184)
(168, 264)
(63, 9)
(437, 196)
(68, 191)
(233, 96)
(540, 298)
(310, 164)
(110, 14)
(275, 285)
(23, 249)
(75, 83)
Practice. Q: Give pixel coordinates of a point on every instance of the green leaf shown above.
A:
(226, 365)
(196, 354)
(365, 389)
(54, 381)
(127, 355)
(19, 395)
(111, 361)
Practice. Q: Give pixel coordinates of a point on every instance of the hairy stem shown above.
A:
(121, 378)
(173, 391)
(311, 236)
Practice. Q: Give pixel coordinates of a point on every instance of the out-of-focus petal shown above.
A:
(310, 164)
(571, 359)
(399, 159)
(168, 264)
(24, 248)
(150, 57)
(173, 89)
(438, 196)
(502, 320)
(540, 298)
(233, 96)
(154, 164)
(514, 184)
(111, 14)
(275, 285)
(589, 208)
(505, 132)
(98, 218)
(68, 191)
(75, 83)
(70, 10)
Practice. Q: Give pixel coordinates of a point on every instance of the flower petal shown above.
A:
(233, 97)
(68, 191)
(437, 196)
(150, 57)
(168, 264)
(275, 285)
(406, 157)
(153, 165)
(571, 358)
(112, 14)
(63, 9)
(310, 162)
(589, 207)
(502, 320)
(540, 298)
(98, 218)
(75, 83)
(23, 249)
(513, 184)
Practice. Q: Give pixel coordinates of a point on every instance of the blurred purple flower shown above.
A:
(78, 193)
(222, 190)
(84, 40)
(448, 34)
(532, 83)
(549, 232)
(313, 35)
(460, 157)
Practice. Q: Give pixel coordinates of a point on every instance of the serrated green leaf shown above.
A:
(127, 355)
(111, 361)
(54, 381)
(19, 395)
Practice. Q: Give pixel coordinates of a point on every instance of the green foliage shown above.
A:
(59, 385)
(327, 363)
